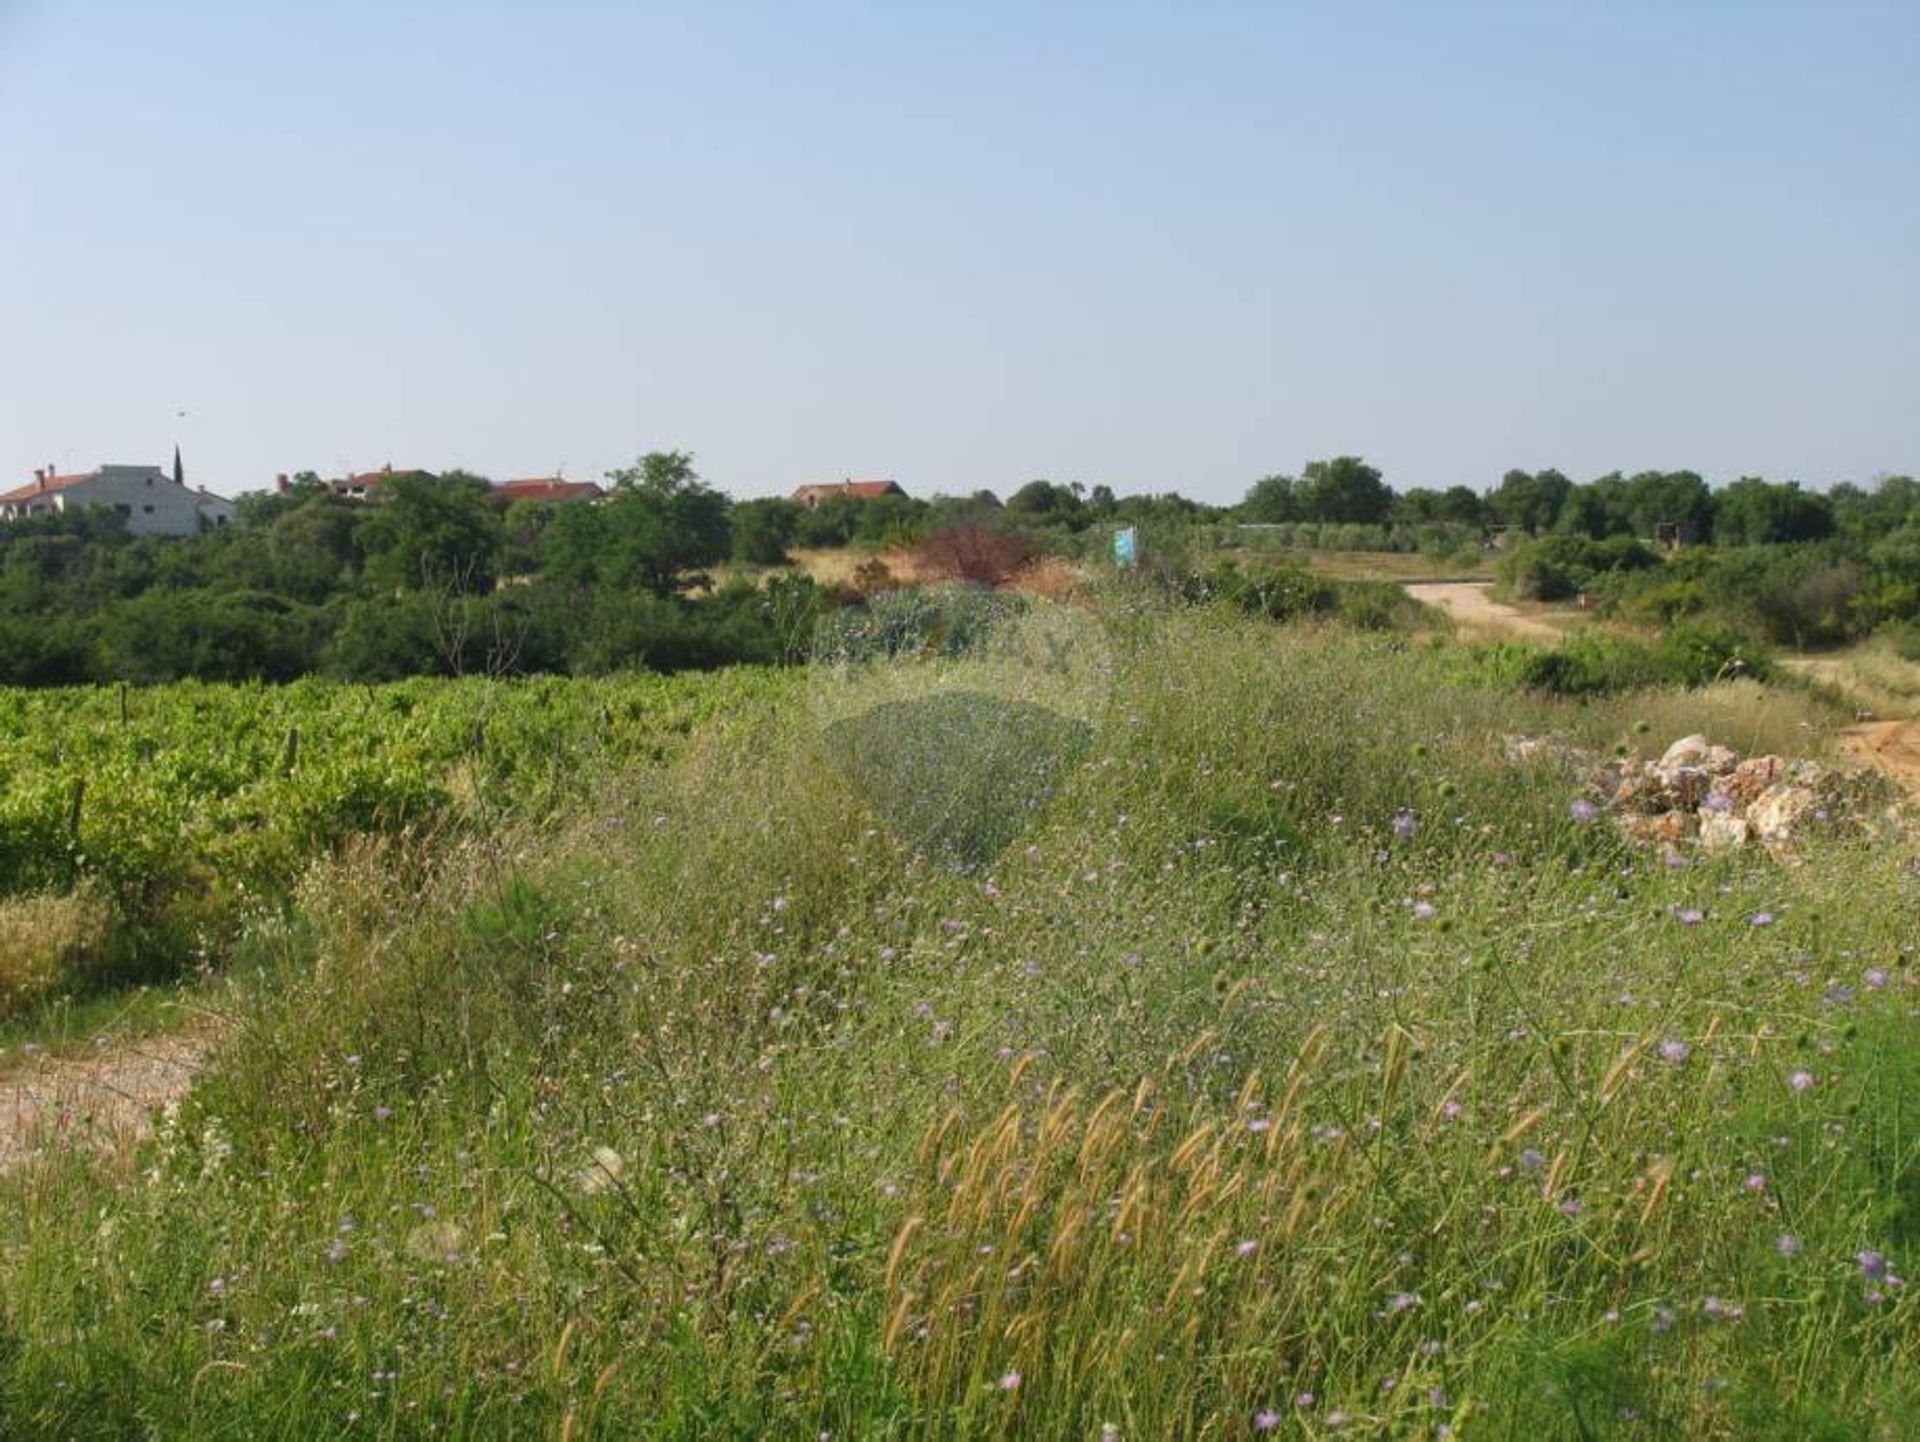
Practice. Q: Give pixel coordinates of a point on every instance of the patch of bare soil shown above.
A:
(1471, 606)
(104, 1100)
(1893, 746)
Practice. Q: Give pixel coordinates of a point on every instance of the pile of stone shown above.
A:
(1700, 794)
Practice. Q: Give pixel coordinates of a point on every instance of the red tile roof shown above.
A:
(548, 488)
(859, 490)
(44, 485)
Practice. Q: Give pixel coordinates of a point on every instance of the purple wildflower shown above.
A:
(1265, 1420)
(1674, 1050)
(1405, 824)
(1873, 1265)
(1582, 810)
(1801, 1081)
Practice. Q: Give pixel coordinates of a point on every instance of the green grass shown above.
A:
(1396, 566)
(186, 811)
(714, 1110)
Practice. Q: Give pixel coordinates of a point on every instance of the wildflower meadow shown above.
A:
(1289, 1063)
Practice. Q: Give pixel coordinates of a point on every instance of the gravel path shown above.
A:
(1469, 603)
(105, 1099)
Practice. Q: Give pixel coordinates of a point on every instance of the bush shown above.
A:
(1288, 593)
(1596, 663)
(1274, 592)
(1560, 567)
(973, 554)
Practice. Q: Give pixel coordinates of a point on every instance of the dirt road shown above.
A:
(105, 1099)
(1474, 609)
(1893, 746)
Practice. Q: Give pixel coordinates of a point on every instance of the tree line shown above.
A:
(442, 574)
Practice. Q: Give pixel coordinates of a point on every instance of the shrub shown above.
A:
(1559, 567)
(973, 554)
(1274, 592)
(1596, 663)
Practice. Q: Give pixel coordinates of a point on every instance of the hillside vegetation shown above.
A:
(1304, 1069)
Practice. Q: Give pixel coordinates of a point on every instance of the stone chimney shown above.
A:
(282, 484)
(39, 479)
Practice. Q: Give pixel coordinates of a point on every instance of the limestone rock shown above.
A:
(1753, 776)
(1660, 827)
(1781, 810)
(1720, 832)
(1687, 751)
(1680, 786)
(1719, 761)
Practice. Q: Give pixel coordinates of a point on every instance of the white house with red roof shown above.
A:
(150, 501)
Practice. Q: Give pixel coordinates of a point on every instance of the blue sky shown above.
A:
(1149, 245)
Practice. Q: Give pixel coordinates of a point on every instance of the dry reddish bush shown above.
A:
(971, 553)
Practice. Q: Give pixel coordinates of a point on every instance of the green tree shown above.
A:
(1344, 490)
(1457, 505)
(1528, 500)
(888, 520)
(1681, 500)
(1271, 500)
(1044, 503)
(763, 529)
(1596, 510)
(830, 523)
(655, 533)
(431, 532)
(1755, 512)
(523, 531)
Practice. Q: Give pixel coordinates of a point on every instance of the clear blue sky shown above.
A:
(1157, 246)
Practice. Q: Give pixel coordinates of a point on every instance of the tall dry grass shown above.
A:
(48, 941)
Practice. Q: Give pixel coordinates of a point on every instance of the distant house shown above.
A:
(366, 486)
(811, 496)
(550, 490)
(150, 501)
